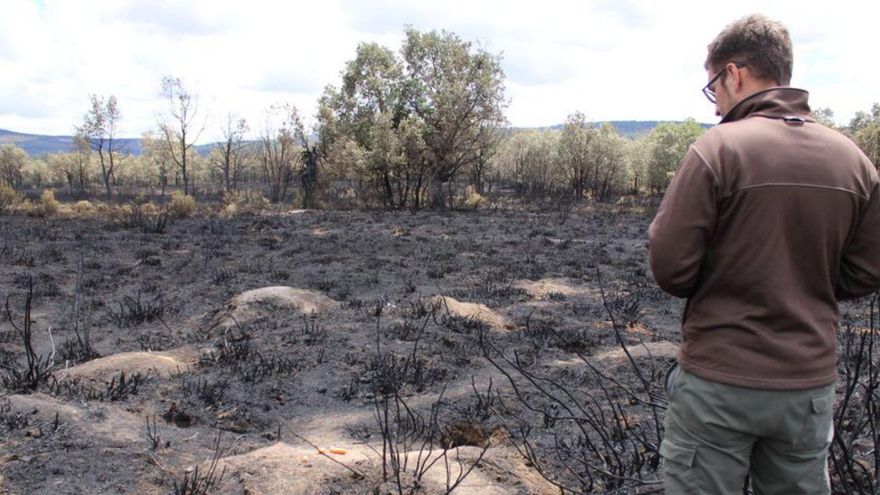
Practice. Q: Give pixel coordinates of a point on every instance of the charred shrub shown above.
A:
(493, 289)
(222, 275)
(144, 217)
(249, 365)
(24, 258)
(198, 481)
(437, 271)
(555, 296)
(540, 330)
(576, 342)
(118, 389)
(388, 373)
(544, 330)
(39, 368)
(156, 341)
(233, 352)
(259, 367)
(313, 334)
(53, 254)
(626, 306)
(75, 350)
(134, 311)
(207, 391)
(407, 330)
(44, 284)
(468, 325)
(854, 449)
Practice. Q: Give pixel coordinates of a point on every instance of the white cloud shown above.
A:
(620, 59)
(174, 18)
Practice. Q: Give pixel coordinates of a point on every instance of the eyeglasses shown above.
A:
(707, 89)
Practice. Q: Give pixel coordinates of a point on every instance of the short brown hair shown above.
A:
(755, 41)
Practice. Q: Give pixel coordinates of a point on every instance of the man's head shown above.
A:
(749, 55)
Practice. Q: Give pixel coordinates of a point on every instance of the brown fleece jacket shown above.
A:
(770, 219)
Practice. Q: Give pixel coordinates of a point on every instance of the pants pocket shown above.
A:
(678, 470)
(817, 430)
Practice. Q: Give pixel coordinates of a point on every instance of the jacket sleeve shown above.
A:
(860, 265)
(681, 230)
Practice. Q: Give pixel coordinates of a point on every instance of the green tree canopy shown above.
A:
(667, 145)
(12, 163)
(419, 118)
(865, 131)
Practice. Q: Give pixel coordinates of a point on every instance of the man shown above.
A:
(770, 220)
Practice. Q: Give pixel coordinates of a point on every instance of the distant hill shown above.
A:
(37, 144)
(633, 128)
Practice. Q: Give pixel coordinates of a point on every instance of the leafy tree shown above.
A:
(864, 119)
(157, 158)
(100, 125)
(868, 138)
(418, 119)
(280, 147)
(667, 145)
(37, 172)
(865, 131)
(178, 125)
(344, 166)
(638, 151)
(528, 160)
(385, 162)
(824, 116)
(231, 152)
(63, 168)
(416, 155)
(81, 163)
(366, 113)
(372, 84)
(609, 157)
(457, 90)
(131, 171)
(12, 164)
(485, 152)
(8, 197)
(593, 159)
(199, 172)
(574, 155)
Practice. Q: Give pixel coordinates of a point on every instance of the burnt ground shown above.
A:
(268, 372)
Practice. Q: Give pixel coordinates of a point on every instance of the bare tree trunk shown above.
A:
(183, 171)
(182, 110)
(105, 175)
(417, 193)
(309, 176)
(436, 199)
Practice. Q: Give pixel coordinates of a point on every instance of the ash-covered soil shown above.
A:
(288, 332)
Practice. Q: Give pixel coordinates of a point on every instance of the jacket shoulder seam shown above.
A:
(799, 184)
(706, 163)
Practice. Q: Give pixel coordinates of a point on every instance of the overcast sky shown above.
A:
(611, 59)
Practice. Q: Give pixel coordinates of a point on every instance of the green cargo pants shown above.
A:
(716, 434)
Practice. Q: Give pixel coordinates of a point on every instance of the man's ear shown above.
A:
(734, 77)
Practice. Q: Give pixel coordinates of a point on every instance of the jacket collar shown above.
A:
(780, 102)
